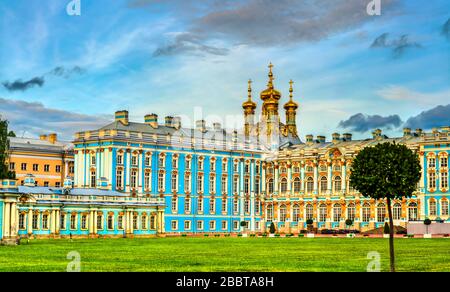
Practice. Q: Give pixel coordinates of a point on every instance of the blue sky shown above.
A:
(352, 72)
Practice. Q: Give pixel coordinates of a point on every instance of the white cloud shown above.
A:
(401, 93)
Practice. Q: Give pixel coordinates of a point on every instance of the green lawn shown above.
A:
(226, 254)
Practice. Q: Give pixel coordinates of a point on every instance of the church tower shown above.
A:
(270, 97)
(249, 111)
(291, 111)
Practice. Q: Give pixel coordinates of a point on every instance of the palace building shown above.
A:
(147, 178)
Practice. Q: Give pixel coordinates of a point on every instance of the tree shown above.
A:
(4, 149)
(349, 222)
(11, 134)
(386, 171)
(427, 222)
(309, 223)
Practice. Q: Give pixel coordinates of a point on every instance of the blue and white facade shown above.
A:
(209, 180)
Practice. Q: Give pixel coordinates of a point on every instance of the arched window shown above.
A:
(381, 212)
(309, 211)
(270, 186)
(366, 212)
(412, 212)
(351, 210)
(397, 211)
(309, 185)
(283, 185)
(322, 212)
(296, 213)
(337, 212)
(432, 208)
(323, 184)
(337, 184)
(269, 212)
(283, 213)
(297, 184)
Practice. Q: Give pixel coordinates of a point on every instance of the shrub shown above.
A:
(240, 235)
(386, 228)
(427, 221)
(272, 228)
(277, 235)
(309, 222)
(349, 222)
(264, 235)
(217, 235)
(301, 235)
(205, 235)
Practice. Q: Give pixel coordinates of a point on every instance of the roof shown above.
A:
(38, 144)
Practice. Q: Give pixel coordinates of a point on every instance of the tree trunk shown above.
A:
(391, 236)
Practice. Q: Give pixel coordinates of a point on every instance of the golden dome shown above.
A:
(270, 92)
(290, 104)
(249, 104)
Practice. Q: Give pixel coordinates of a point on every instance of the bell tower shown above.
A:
(249, 107)
(291, 111)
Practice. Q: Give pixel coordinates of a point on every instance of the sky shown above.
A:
(352, 72)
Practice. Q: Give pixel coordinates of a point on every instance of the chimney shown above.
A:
(169, 121)
(321, 139)
(418, 132)
(376, 133)
(217, 126)
(43, 137)
(309, 139)
(122, 116)
(52, 138)
(200, 125)
(336, 137)
(152, 120)
(406, 132)
(347, 136)
(176, 123)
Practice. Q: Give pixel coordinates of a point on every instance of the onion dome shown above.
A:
(249, 104)
(291, 104)
(270, 92)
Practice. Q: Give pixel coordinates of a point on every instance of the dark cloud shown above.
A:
(435, 117)
(264, 23)
(398, 46)
(363, 123)
(446, 29)
(64, 72)
(59, 71)
(20, 85)
(33, 118)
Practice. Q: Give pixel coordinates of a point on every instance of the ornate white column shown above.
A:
(315, 178)
(91, 221)
(7, 222)
(52, 222)
(30, 220)
(13, 228)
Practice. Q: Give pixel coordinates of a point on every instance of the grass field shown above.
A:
(226, 254)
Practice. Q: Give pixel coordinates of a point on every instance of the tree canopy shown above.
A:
(5, 173)
(387, 170)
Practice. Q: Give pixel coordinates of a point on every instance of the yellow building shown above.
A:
(46, 158)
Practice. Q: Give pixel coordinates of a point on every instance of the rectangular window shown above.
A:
(235, 167)
(161, 177)
(432, 180)
(58, 168)
(110, 222)
(247, 206)
(224, 225)
(35, 220)
(188, 163)
(147, 161)
(62, 222)
(58, 184)
(212, 225)
(99, 222)
(200, 205)
(212, 165)
(187, 205)
(200, 184)
(212, 184)
(84, 222)
(161, 161)
(93, 179)
(35, 167)
(46, 167)
(120, 159)
(73, 221)
(200, 165)
(235, 205)
(224, 205)
(174, 204)
(444, 180)
(12, 166)
(235, 184)
(152, 222)
(247, 185)
(21, 221)
(135, 222)
(224, 166)
(23, 166)
(120, 222)
(200, 225)
(212, 205)
(187, 183)
(144, 222)
(444, 162)
(187, 225)
(444, 207)
(432, 162)
(174, 182)
(93, 159)
(147, 181)
(134, 160)
(133, 179)
(45, 221)
(71, 169)
(235, 225)
(46, 183)
(174, 225)
(119, 179)
(224, 184)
